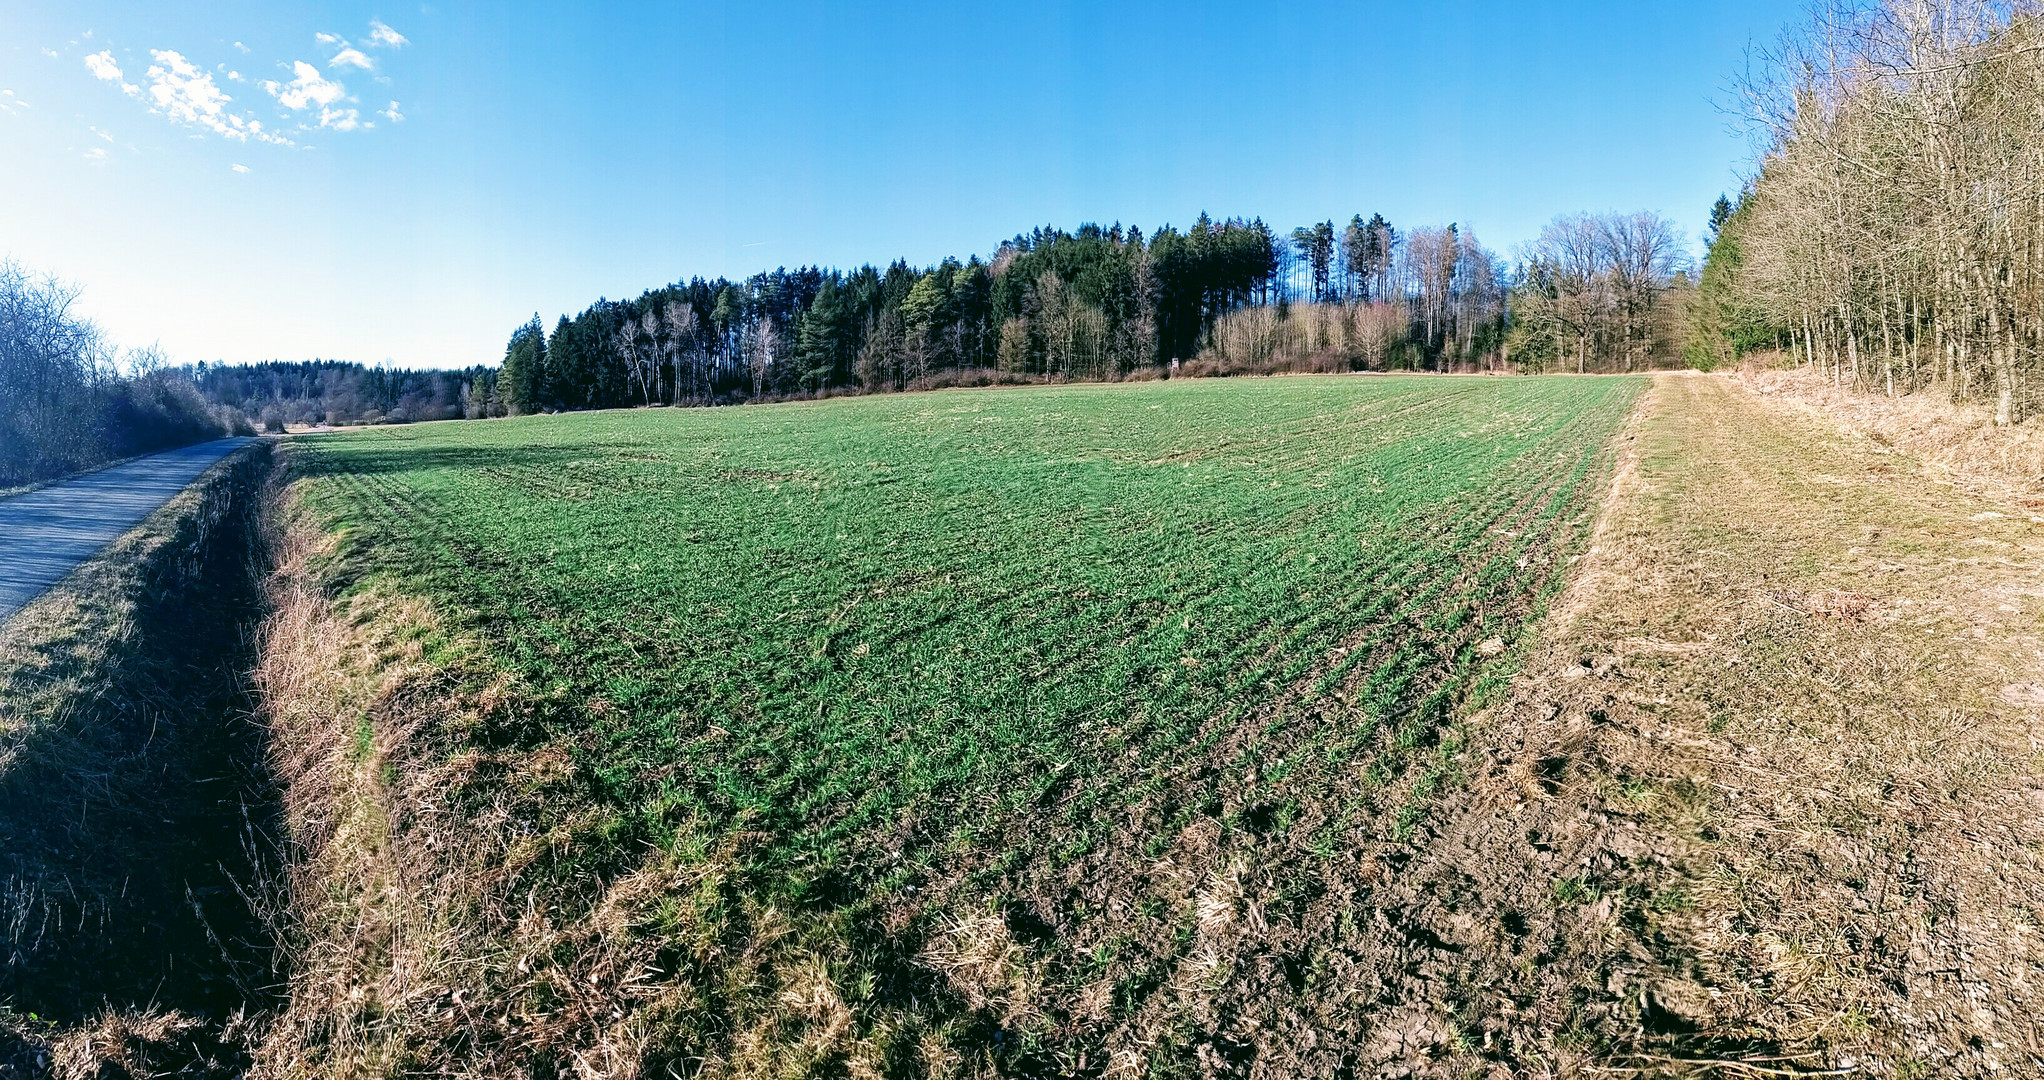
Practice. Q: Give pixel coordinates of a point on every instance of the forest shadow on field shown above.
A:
(404, 457)
(138, 823)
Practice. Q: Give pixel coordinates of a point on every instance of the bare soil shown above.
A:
(1765, 801)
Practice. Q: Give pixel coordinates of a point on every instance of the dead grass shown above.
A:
(1956, 443)
(1764, 773)
(133, 816)
(428, 936)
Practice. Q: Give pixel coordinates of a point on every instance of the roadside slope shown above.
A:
(133, 804)
(1768, 793)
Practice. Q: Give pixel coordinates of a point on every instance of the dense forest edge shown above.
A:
(1103, 303)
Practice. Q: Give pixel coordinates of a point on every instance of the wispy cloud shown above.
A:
(193, 96)
(100, 133)
(103, 68)
(49, 52)
(311, 90)
(308, 89)
(96, 155)
(182, 91)
(240, 168)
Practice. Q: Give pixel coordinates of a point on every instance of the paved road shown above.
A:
(49, 531)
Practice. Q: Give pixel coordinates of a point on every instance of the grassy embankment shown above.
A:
(1036, 730)
(133, 805)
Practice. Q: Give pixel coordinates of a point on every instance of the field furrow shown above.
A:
(849, 676)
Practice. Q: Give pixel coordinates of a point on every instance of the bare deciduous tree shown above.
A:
(1591, 288)
(1896, 226)
(628, 347)
(681, 344)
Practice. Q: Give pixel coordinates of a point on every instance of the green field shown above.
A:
(1062, 658)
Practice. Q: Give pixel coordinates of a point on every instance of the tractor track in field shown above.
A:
(1724, 820)
(1033, 674)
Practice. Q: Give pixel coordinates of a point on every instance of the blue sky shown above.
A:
(266, 180)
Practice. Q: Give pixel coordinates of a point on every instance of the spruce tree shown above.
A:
(525, 367)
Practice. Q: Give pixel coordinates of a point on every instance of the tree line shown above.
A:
(1092, 303)
(1893, 236)
(280, 394)
(1096, 303)
(70, 401)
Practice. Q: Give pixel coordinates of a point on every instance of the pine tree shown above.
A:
(566, 368)
(1720, 213)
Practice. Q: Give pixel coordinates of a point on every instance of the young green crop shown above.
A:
(944, 644)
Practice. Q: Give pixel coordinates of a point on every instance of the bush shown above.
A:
(1320, 338)
(63, 408)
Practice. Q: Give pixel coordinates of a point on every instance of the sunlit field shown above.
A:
(865, 678)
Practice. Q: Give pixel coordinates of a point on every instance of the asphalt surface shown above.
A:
(46, 533)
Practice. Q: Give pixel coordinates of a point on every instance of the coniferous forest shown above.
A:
(1098, 303)
(1593, 293)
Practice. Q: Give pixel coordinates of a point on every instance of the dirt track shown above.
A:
(1764, 803)
(46, 533)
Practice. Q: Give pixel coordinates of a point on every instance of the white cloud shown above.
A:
(240, 168)
(234, 76)
(392, 114)
(380, 34)
(243, 48)
(101, 134)
(329, 39)
(308, 89)
(102, 66)
(96, 154)
(188, 95)
(352, 58)
(311, 90)
(49, 52)
(181, 90)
